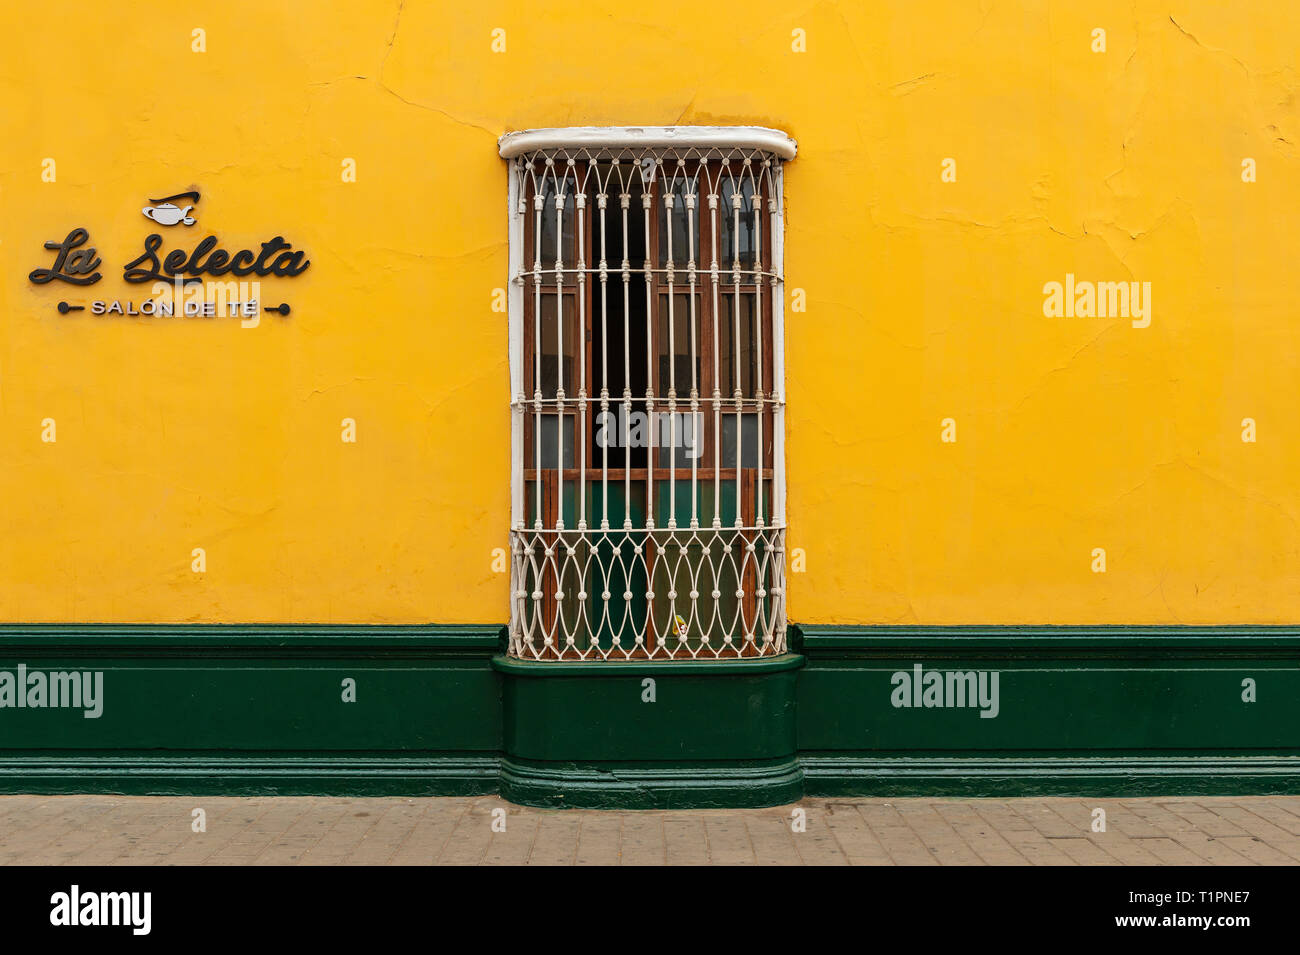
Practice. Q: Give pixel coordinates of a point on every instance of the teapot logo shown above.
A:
(165, 212)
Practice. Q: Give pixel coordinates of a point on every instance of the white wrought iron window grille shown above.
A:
(647, 375)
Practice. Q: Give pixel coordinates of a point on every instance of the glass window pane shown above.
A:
(736, 244)
(549, 441)
(680, 345)
(567, 227)
(682, 225)
(557, 366)
(682, 434)
(749, 440)
(737, 356)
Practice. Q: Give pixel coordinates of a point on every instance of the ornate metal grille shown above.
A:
(648, 513)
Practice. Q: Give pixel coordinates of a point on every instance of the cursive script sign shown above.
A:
(77, 265)
(275, 258)
(71, 262)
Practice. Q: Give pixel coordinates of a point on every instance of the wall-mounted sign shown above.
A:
(168, 213)
(177, 273)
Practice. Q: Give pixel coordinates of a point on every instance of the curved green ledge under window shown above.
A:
(751, 666)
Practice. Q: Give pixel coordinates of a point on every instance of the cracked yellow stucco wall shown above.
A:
(925, 300)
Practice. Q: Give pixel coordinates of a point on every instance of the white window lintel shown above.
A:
(621, 137)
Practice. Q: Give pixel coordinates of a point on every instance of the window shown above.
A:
(648, 512)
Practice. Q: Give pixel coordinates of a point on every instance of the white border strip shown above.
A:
(515, 331)
(515, 311)
(621, 137)
(778, 356)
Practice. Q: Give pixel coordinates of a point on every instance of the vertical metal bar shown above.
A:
(715, 241)
(602, 201)
(539, 200)
(735, 343)
(760, 562)
(625, 200)
(695, 373)
(671, 276)
(649, 363)
(560, 186)
(756, 201)
(580, 352)
(647, 638)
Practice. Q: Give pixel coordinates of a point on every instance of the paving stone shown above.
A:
(556, 842)
(122, 830)
(985, 841)
(642, 839)
(599, 836)
(854, 836)
(771, 839)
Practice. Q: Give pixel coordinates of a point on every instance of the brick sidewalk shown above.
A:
(107, 830)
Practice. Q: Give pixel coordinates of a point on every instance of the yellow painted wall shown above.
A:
(924, 300)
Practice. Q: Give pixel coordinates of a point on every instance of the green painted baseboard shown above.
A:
(289, 774)
(651, 735)
(1080, 711)
(829, 775)
(261, 709)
